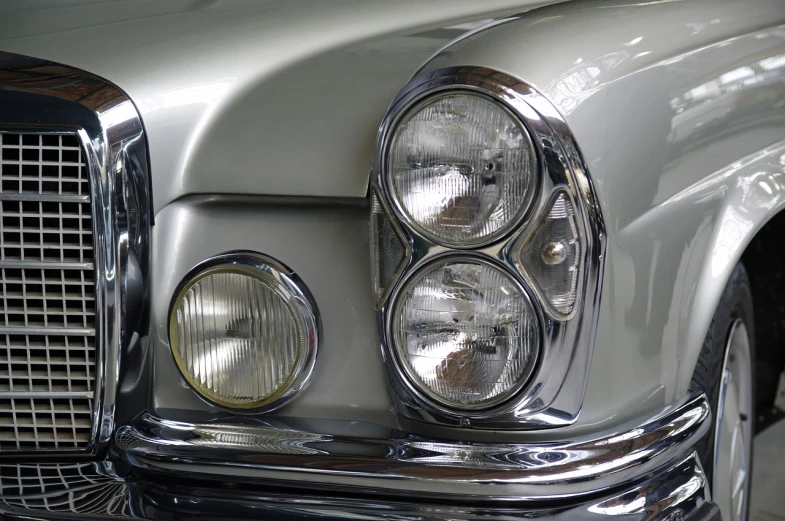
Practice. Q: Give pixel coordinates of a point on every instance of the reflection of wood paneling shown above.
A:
(64, 83)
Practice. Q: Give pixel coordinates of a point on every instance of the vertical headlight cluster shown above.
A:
(479, 242)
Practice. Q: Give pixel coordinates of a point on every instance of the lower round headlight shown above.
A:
(465, 332)
(243, 331)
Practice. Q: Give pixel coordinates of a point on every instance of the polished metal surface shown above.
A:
(676, 492)
(83, 148)
(350, 456)
(47, 379)
(733, 427)
(554, 395)
(304, 301)
(85, 489)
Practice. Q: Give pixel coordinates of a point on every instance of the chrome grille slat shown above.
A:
(31, 266)
(45, 197)
(47, 330)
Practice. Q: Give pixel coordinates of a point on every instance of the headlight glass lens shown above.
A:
(466, 333)
(240, 336)
(462, 168)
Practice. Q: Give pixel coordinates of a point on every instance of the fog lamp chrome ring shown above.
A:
(244, 337)
(414, 382)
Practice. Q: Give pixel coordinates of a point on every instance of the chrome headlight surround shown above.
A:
(554, 394)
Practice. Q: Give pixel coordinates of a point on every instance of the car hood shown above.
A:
(273, 97)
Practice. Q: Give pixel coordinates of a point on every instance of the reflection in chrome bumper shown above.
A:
(95, 492)
(642, 472)
(356, 456)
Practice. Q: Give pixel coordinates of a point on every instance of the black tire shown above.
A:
(735, 303)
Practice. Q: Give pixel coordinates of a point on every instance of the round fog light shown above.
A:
(465, 333)
(243, 331)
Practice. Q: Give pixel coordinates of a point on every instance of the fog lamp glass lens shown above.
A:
(462, 168)
(466, 333)
(239, 336)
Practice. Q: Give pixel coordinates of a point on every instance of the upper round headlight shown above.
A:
(244, 332)
(461, 168)
(465, 333)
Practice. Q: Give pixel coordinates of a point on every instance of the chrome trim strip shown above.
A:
(554, 395)
(48, 98)
(55, 198)
(46, 394)
(65, 331)
(678, 492)
(352, 456)
(55, 265)
(306, 305)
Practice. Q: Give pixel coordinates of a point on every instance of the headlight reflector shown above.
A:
(462, 168)
(244, 333)
(465, 333)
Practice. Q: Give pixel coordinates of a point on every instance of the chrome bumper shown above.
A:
(642, 472)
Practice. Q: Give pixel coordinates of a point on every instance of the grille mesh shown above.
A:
(47, 345)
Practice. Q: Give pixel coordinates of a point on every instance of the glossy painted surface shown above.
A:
(264, 97)
(678, 110)
(326, 245)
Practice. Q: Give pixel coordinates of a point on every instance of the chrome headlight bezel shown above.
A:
(553, 396)
(303, 301)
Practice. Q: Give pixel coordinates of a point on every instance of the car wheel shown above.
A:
(725, 373)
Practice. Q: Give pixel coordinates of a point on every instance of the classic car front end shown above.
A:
(388, 260)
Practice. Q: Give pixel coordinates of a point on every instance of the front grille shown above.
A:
(48, 344)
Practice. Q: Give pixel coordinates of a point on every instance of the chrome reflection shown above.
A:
(550, 397)
(80, 488)
(35, 94)
(388, 464)
(92, 492)
(670, 497)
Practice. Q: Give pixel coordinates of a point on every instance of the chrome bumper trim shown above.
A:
(92, 492)
(355, 457)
